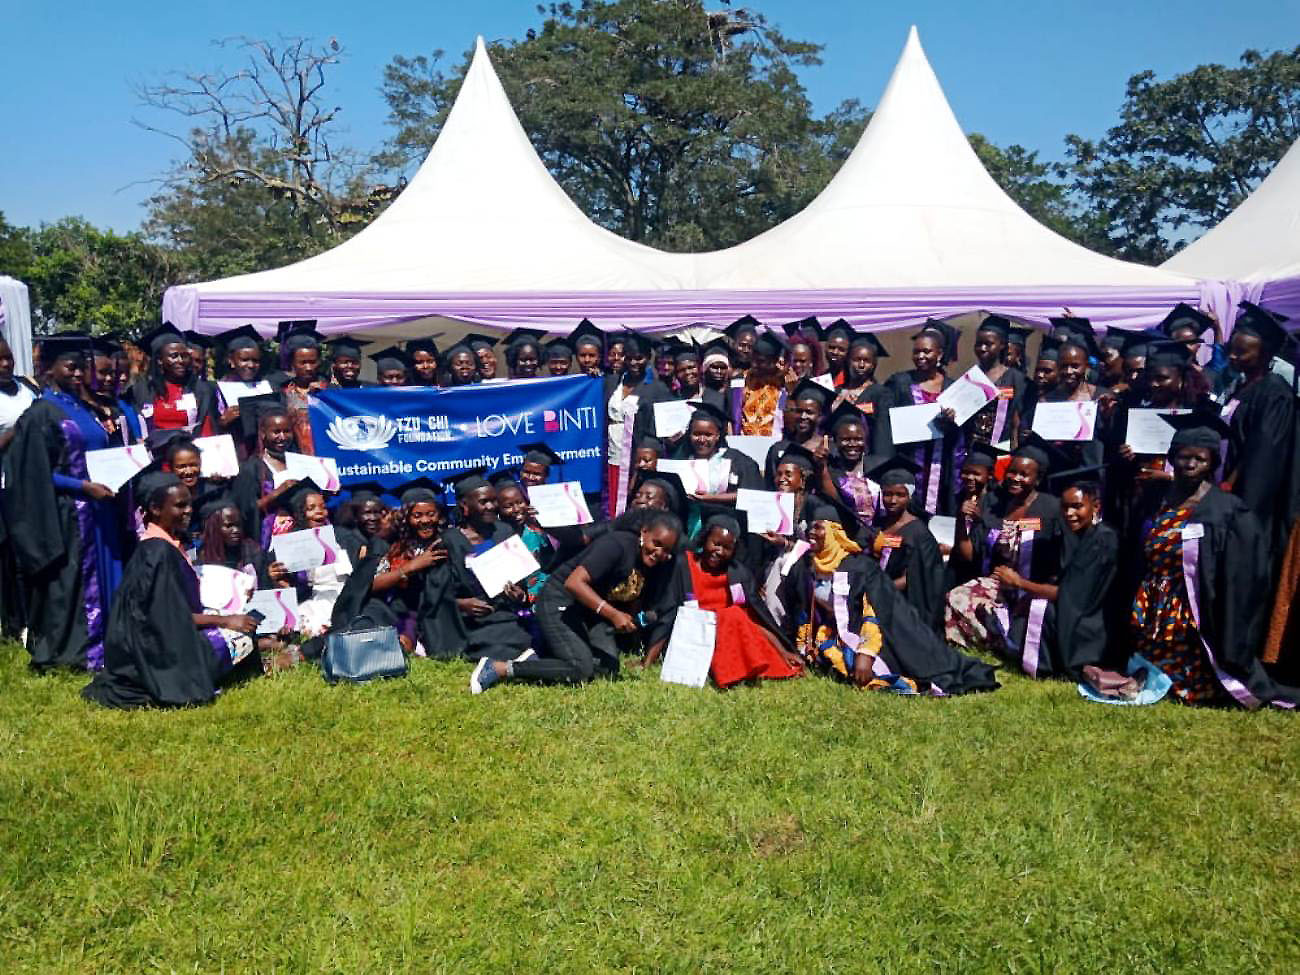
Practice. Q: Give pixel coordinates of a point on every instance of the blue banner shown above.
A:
(399, 433)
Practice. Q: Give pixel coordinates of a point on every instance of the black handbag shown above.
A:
(362, 651)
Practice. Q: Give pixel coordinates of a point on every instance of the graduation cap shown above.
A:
(813, 390)
(892, 470)
(152, 481)
(1167, 352)
(686, 351)
(422, 345)
(103, 346)
(244, 337)
(1018, 336)
(558, 349)
(996, 324)
(302, 335)
(345, 345)
(708, 411)
(477, 340)
(1133, 344)
(156, 339)
(717, 348)
(1185, 316)
(468, 481)
(1264, 324)
(728, 519)
(746, 323)
(846, 413)
(807, 327)
(507, 476)
(1200, 428)
(840, 328)
(282, 329)
(1059, 483)
(522, 336)
(424, 490)
(364, 491)
(1040, 452)
(391, 358)
(672, 486)
(1049, 349)
(1077, 332)
(587, 334)
(459, 348)
(62, 344)
(650, 443)
(634, 343)
(195, 339)
(158, 441)
(296, 496)
(540, 453)
(800, 456)
(981, 455)
(819, 507)
(253, 408)
(947, 335)
(769, 345)
(871, 342)
(1117, 338)
(212, 500)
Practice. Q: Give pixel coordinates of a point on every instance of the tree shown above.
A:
(1186, 151)
(1039, 187)
(262, 180)
(666, 123)
(106, 283)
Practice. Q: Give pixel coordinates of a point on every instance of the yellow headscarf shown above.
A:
(838, 547)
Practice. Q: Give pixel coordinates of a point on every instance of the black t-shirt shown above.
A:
(609, 560)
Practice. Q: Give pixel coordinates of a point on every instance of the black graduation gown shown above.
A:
(1233, 572)
(499, 635)
(944, 456)
(647, 395)
(1264, 425)
(140, 394)
(153, 652)
(983, 426)
(919, 560)
(46, 540)
(874, 403)
(246, 492)
(1075, 626)
(909, 646)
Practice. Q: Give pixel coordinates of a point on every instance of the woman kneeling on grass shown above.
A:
(160, 649)
(588, 609)
(846, 617)
(749, 643)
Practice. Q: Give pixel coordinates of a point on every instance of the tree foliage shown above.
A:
(667, 124)
(1185, 152)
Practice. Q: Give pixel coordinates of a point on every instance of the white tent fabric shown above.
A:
(481, 214)
(1260, 240)
(16, 319)
(913, 206)
(911, 226)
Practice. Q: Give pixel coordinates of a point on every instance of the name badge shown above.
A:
(1193, 531)
(1006, 393)
(840, 583)
(738, 382)
(866, 408)
(187, 402)
(1030, 525)
(146, 410)
(891, 541)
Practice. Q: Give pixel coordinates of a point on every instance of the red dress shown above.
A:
(742, 650)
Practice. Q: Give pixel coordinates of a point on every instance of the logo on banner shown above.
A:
(361, 432)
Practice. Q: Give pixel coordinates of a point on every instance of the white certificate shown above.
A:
(697, 475)
(310, 549)
(1148, 434)
(232, 393)
(297, 467)
(672, 417)
(217, 456)
(114, 466)
(944, 529)
(753, 447)
(279, 609)
(826, 381)
(1073, 420)
(223, 590)
(767, 511)
(914, 424)
(690, 647)
(969, 393)
(559, 505)
(505, 562)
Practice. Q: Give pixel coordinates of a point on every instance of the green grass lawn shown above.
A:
(297, 827)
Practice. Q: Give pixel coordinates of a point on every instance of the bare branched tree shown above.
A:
(267, 124)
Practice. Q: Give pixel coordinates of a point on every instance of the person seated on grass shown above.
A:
(160, 648)
(482, 625)
(749, 643)
(588, 610)
(513, 507)
(363, 521)
(903, 545)
(1073, 622)
(317, 588)
(845, 618)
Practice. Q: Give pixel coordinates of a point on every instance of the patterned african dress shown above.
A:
(1161, 626)
(295, 404)
(818, 641)
(759, 409)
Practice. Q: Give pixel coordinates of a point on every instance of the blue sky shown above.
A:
(1026, 73)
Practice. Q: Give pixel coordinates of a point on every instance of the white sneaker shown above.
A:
(529, 654)
(483, 677)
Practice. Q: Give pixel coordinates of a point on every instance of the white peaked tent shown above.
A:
(16, 322)
(913, 206)
(912, 226)
(1256, 248)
